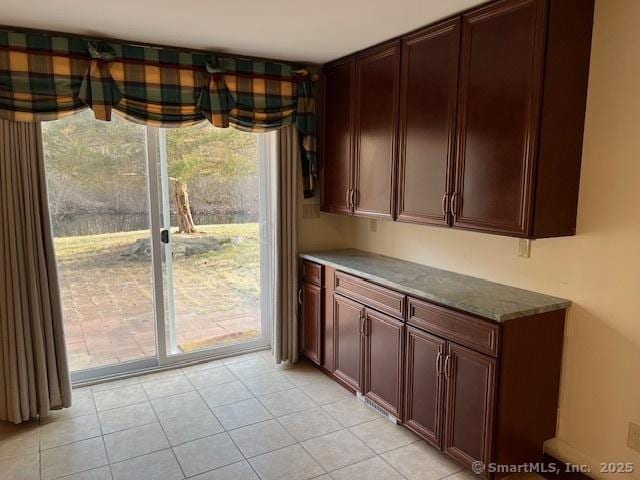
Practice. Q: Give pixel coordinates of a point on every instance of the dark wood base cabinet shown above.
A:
(476, 389)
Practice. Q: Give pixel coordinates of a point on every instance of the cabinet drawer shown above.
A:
(457, 327)
(312, 272)
(374, 296)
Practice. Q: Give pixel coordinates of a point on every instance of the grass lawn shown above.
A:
(235, 266)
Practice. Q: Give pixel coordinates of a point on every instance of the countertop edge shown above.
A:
(500, 318)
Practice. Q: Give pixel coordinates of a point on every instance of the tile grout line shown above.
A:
(244, 458)
(155, 414)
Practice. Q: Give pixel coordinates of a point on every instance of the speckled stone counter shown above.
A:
(469, 294)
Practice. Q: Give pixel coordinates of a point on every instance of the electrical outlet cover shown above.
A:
(524, 247)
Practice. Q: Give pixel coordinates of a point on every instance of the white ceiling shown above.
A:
(297, 30)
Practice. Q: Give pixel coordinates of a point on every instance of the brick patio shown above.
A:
(108, 309)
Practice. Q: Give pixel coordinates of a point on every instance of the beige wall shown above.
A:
(598, 269)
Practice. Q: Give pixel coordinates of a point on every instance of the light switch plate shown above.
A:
(633, 441)
(524, 247)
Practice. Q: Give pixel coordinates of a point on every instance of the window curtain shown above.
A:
(34, 376)
(46, 77)
(285, 331)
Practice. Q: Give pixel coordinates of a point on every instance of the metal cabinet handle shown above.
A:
(445, 199)
(300, 296)
(352, 198)
(447, 364)
(361, 322)
(439, 363)
(365, 329)
(454, 204)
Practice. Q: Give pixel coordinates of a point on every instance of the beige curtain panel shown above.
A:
(285, 331)
(34, 376)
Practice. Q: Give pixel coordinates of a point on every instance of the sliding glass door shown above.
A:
(161, 239)
(214, 222)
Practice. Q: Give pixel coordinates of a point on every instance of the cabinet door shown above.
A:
(348, 317)
(424, 385)
(311, 317)
(429, 83)
(500, 85)
(337, 136)
(469, 404)
(383, 339)
(377, 92)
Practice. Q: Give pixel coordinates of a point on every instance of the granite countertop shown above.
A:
(469, 294)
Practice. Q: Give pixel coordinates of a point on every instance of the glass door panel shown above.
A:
(211, 186)
(98, 199)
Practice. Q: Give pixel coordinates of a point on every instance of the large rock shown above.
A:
(183, 246)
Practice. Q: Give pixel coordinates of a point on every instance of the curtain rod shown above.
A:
(132, 43)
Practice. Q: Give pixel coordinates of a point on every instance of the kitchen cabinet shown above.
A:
(348, 317)
(449, 396)
(310, 332)
(383, 360)
(435, 368)
(516, 172)
(337, 136)
(424, 385)
(484, 142)
(429, 83)
(360, 114)
(470, 382)
(376, 114)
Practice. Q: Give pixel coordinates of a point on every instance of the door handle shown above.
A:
(355, 197)
(365, 330)
(445, 199)
(447, 365)
(361, 323)
(439, 363)
(164, 236)
(300, 296)
(454, 204)
(347, 197)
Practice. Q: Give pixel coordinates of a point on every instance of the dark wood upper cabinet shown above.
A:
(383, 360)
(311, 309)
(498, 115)
(519, 84)
(429, 82)
(337, 135)
(424, 384)
(348, 317)
(489, 111)
(377, 85)
(469, 404)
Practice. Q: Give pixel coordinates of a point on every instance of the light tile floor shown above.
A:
(242, 418)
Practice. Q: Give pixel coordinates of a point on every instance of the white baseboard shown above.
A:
(568, 454)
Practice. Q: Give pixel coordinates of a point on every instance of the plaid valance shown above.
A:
(46, 77)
